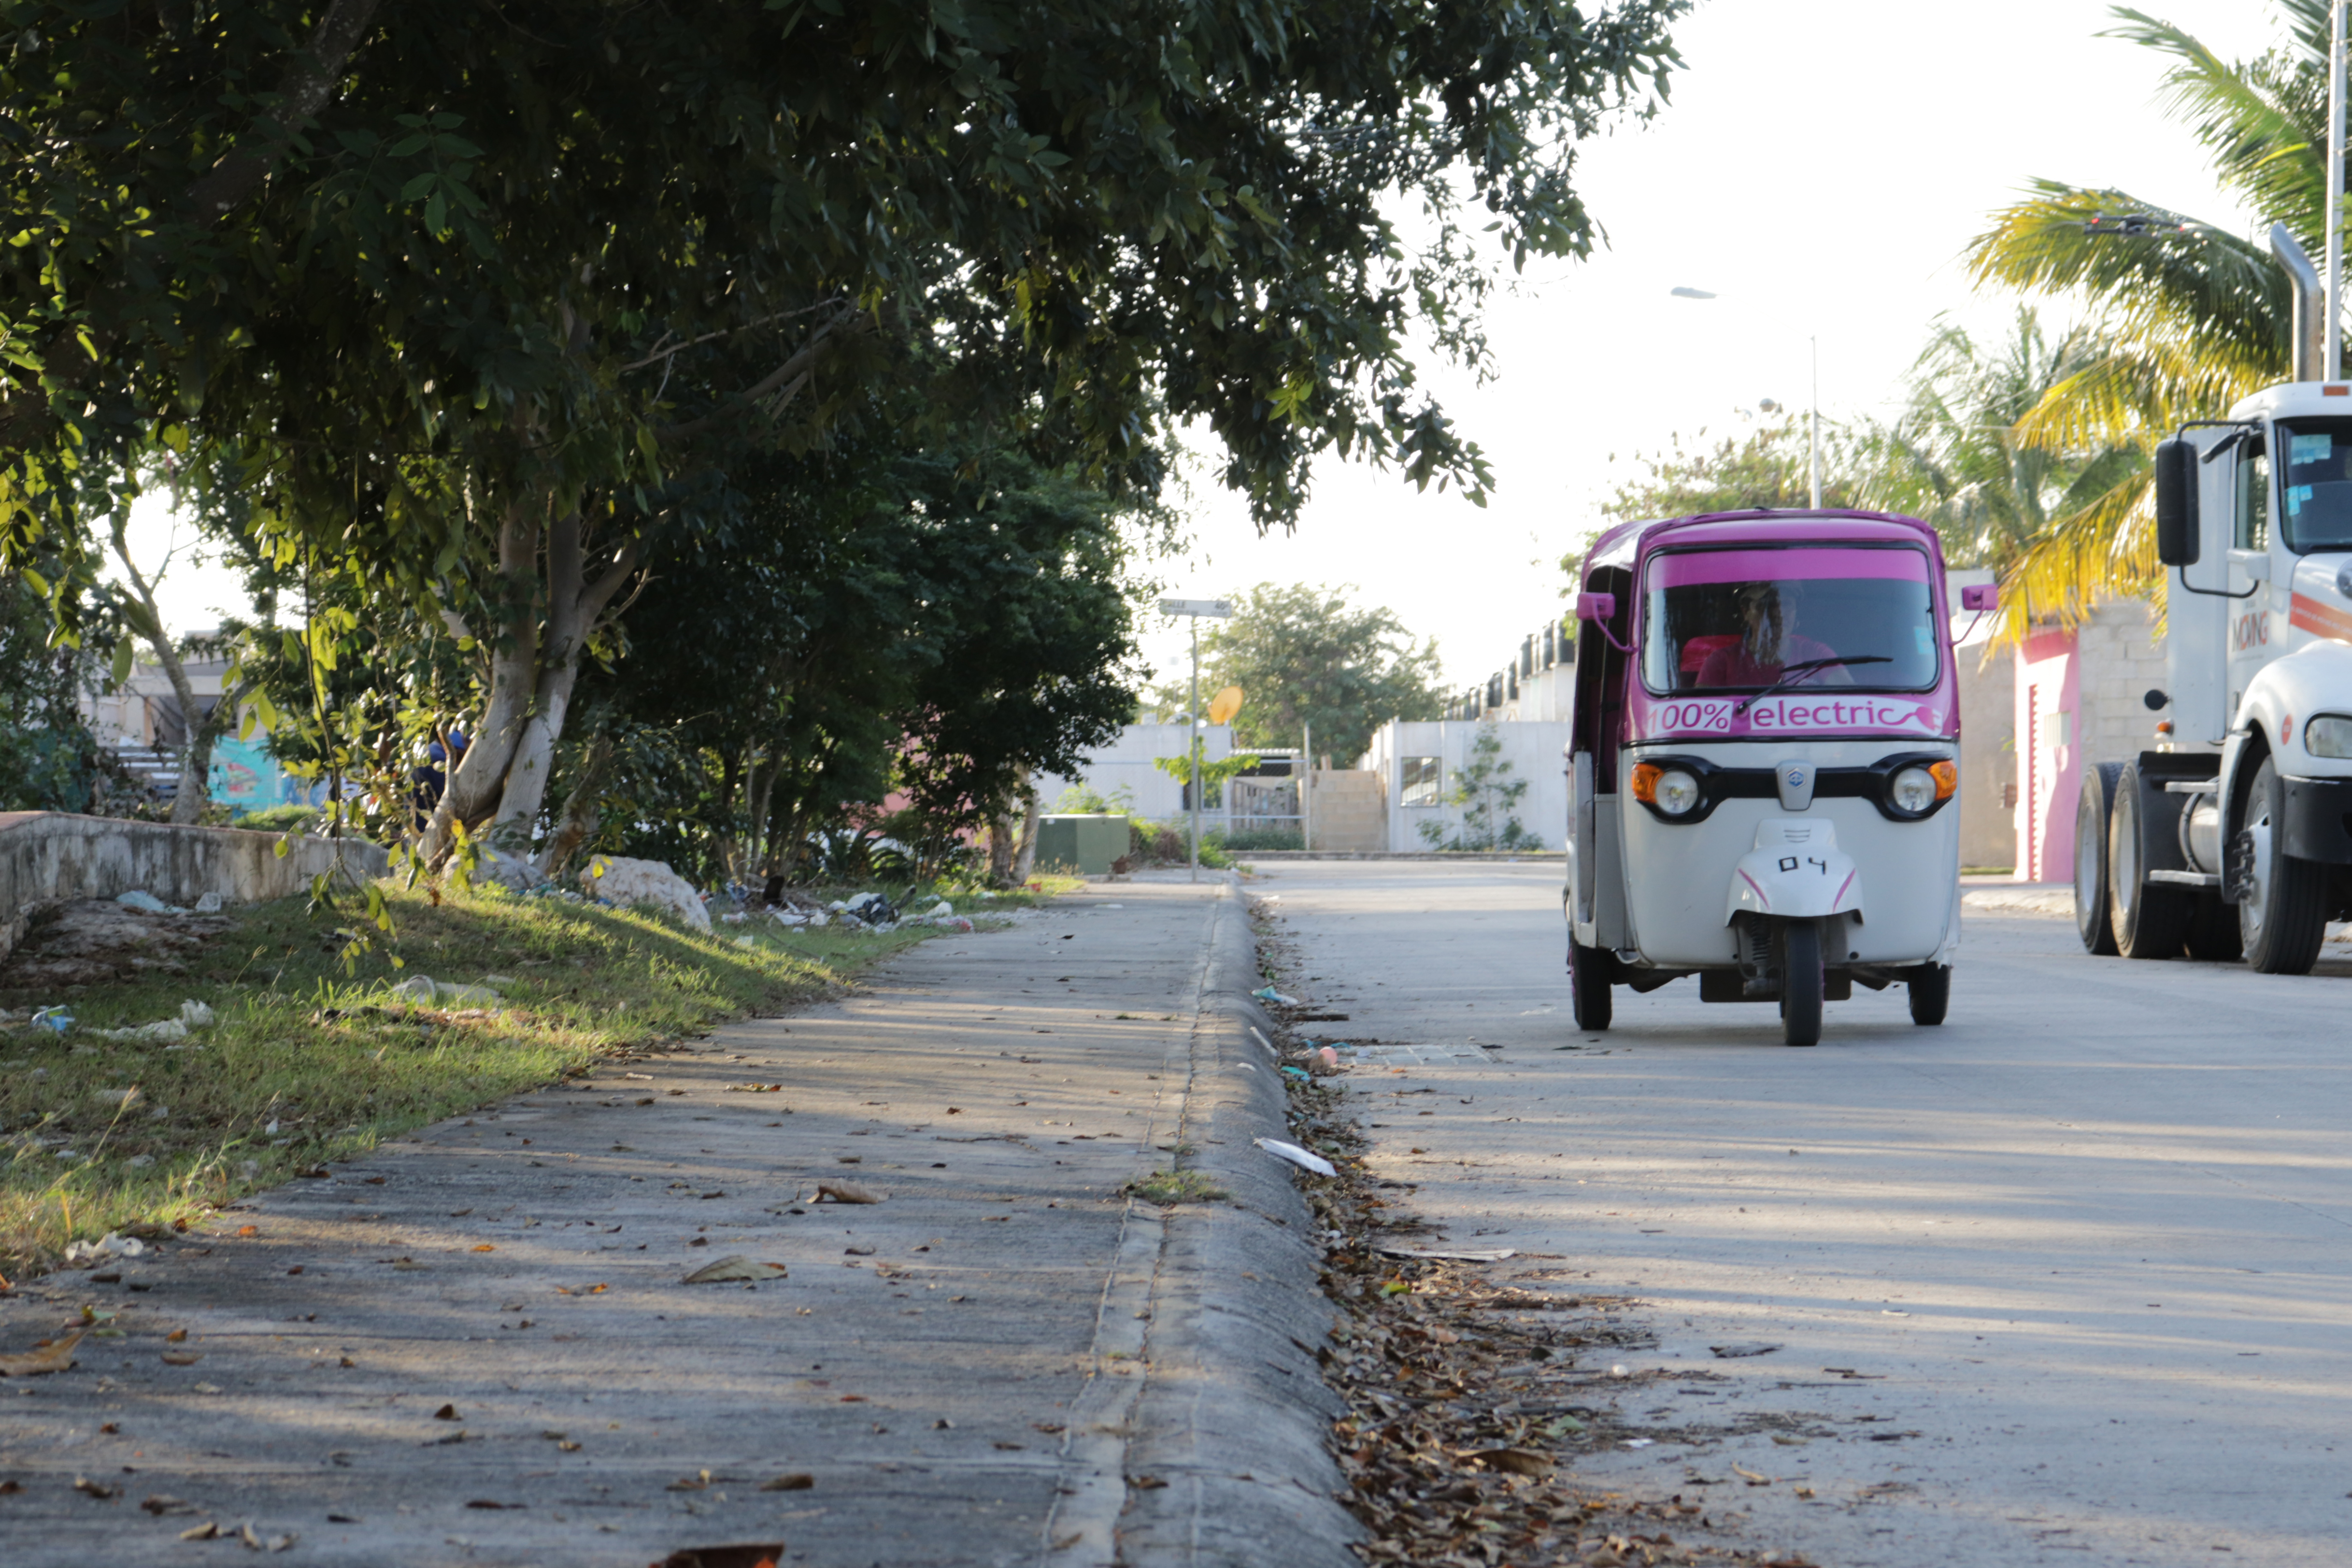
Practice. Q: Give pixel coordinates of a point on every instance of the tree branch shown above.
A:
(789, 377)
(302, 92)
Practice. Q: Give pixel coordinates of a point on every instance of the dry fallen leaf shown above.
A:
(485, 1246)
(447, 1412)
(88, 1487)
(1753, 1477)
(207, 1531)
(55, 1356)
(735, 1265)
(846, 1192)
(160, 1505)
(1517, 1462)
(797, 1481)
(249, 1230)
(176, 1336)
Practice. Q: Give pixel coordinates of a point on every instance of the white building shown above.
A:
(1123, 772)
(1422, 763)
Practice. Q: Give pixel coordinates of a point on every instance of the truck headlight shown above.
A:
(1671, 792)
(2330, 735)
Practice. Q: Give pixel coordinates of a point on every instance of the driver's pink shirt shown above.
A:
(1733, 666)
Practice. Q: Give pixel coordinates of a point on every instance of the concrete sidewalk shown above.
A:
(476, 1347)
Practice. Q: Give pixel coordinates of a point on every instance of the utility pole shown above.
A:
(2334, 341)
(1193, 609)
(1816, 443)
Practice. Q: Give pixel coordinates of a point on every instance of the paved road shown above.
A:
(474, 1348)
(2087, 1249)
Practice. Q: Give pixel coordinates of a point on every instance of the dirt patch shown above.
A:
(96, 942)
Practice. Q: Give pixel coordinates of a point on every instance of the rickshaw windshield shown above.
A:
(1750, 619)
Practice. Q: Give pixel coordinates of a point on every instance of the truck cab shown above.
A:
(2234, 835)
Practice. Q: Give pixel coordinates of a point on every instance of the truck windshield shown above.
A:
(2314, 457)
(1746, 620)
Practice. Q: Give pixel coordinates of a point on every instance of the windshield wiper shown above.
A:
(1791, 673)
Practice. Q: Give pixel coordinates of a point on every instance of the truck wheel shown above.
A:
(2091, 811)
(2285, 916)
(1588, 985)
(1931, 993)
(2213, 935)
(2150, 919)
(1801, 983)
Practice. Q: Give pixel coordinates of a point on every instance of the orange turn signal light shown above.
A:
(1948, 778)
(1645, 783)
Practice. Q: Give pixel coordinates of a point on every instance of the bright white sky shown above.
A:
(1821, 167)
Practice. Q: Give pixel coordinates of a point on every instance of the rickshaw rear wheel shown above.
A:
(1801, 983)
(1931, 993)
(1588, 986)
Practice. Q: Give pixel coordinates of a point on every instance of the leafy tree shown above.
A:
(1769, 465)
(1306, 657)
(940, 623)
(1956, 458)
(50, 760)
(1485, 795)
(488, 296)
(2192, 315)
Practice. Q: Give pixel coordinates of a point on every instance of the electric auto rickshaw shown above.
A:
(1764, 764)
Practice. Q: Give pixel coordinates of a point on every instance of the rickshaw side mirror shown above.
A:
(1981, 597)
(1596, 607)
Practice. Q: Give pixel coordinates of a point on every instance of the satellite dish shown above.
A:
(1225, 705)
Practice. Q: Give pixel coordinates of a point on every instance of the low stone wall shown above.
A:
(51, 856)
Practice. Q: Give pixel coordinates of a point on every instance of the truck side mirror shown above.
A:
(1981, 597)
(1596, 607)
(2176, 503)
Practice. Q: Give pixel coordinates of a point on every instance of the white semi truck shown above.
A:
(2233, 836)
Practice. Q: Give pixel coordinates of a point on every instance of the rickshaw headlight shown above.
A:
(1915, 791)
(1678, 793)
(1671, 792)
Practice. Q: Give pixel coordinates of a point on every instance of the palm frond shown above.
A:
(2260, 124)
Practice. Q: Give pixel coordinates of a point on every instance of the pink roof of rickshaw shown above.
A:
(1622, 545)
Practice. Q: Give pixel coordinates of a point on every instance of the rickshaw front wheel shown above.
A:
(1802, 983)
(1931, 993)
(1588, 985)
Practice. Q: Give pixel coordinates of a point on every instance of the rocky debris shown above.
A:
(424, 989)
(620, 880)
(96, 941)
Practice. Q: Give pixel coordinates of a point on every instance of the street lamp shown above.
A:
(1813, 423)
(1193, 610)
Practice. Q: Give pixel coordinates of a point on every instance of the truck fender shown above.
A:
(2284, 694)
(1795, 872)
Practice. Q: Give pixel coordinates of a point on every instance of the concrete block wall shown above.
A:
(54, 857)
(1346, 809)
(2122, 662)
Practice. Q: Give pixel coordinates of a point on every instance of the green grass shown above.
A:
(1168, 1188)
(336, 1065)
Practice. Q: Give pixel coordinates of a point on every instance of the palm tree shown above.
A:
(1956, 458)
(2194, 318)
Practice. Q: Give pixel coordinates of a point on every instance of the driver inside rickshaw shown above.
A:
(1768, 643)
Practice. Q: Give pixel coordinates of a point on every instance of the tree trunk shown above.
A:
(580, 815)
(1024, 859)
(503, 777)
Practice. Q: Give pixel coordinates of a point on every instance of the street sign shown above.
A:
(1218, 607)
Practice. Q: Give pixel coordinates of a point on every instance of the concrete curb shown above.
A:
(1234, 1412)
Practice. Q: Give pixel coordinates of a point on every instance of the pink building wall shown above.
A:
(2048, 755)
